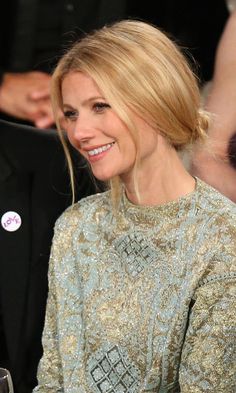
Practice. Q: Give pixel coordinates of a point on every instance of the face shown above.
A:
(96, 131)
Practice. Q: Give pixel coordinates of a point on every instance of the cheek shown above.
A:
(129, 149)
(70, 135)
(74, 142)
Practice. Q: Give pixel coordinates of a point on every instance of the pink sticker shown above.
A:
(11, 221)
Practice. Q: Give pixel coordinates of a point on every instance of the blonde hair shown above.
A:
(138, 69)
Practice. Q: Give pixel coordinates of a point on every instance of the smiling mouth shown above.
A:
(100, 150)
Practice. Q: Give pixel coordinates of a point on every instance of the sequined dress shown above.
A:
(144, 302)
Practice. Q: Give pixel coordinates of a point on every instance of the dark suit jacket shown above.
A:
(33, 183)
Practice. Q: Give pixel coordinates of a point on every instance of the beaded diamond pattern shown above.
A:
(112, 372)
(135, 252)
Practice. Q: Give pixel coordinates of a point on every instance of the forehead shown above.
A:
(79, 85)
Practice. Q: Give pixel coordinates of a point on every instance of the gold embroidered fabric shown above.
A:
(144, 302)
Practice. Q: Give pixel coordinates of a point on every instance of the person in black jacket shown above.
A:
(34, 190)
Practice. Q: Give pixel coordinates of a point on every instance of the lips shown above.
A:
(100, 149)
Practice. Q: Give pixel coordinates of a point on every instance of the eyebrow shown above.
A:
(85, 102)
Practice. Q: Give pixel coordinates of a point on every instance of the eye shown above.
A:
(70, 115)
(99, 107)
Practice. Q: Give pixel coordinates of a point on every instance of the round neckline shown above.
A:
(173, 208)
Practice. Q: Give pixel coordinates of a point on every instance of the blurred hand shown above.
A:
(27, 96)
(216, 171)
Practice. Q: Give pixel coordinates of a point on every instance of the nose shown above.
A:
(81, 130)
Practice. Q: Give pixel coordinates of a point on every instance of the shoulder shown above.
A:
(219, 217)
(25, 145)
(85, 216)
(88, 208)
(215, 205)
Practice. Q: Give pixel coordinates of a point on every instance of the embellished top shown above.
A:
(144, 301)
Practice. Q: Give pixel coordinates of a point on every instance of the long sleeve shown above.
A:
(50, 373)
(209, 354)
(61, 335)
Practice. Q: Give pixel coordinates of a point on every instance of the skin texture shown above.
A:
(92, 123)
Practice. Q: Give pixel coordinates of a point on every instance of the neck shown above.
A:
(167, 181)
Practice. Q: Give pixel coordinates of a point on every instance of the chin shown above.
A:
(104, 177)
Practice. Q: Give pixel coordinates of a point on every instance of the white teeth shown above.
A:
(100, 149)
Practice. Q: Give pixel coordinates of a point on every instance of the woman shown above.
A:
(141, 277)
